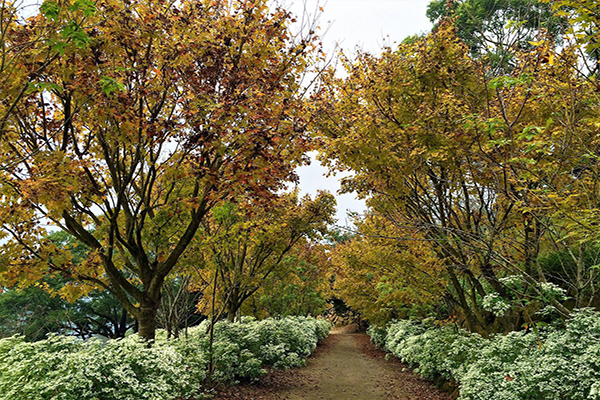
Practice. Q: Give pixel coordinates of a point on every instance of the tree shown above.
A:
(39, 310)
(482, 168)
(25, 57)
(383, 278)
(130, 141)
(583, 21)
(32, 313)
(494, 29)
(303, 289)
(178, 307)
(249, 245)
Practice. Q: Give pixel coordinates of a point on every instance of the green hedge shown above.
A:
(66, 368)
(557, 363)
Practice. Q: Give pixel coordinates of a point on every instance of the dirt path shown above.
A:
(344, 373)
(344, 367)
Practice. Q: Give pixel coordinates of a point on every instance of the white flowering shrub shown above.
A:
(551, 291)
(66, 368)
(24, 366)
(558, 363)
(242, 349)
(377, 335)
(433, 351)
(495, 304)
(285, 345)
(70, 369)
(543, 292)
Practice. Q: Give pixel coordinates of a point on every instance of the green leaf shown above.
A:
(72, 31)
(529, 133)
(58, 46)
(35, 86)
(50, 10)
(111, 85)
(87, 7)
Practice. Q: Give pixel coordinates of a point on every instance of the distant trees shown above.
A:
(40, 309)
(33, 312)
(178, 305)
(494, 29)
(383, 277)
(252, 247)
(303, 289)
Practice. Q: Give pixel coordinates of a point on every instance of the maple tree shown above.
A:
(23, 58)
(248, 247)
(304, 287)
(493, 29)
(583, 30)
(383, 278)
(126, 143)
(397, 122)
(177, 309)
(479, 166)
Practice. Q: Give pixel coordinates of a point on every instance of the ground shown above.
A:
(346, 366)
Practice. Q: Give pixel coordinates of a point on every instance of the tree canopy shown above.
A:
(151, 115)
(248, 247)
(493, 29)
(486, 172)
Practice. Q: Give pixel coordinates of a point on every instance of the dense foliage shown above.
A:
(159, 138)
(150, 114)
(33, 313)
(384, 279)
(493, 29)
(474, 178)
(63, 367)
(304, 289)
(246, 247)
(553, 362)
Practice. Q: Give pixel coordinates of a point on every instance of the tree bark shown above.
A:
(233, 304)
(147, 320)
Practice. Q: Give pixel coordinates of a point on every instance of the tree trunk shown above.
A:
(147, 320)
(122, 325)
(233, 304)
(231, 312)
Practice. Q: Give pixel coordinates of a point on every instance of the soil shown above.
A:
(346, 366)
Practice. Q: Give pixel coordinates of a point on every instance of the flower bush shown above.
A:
(557, 363)
(66, 368)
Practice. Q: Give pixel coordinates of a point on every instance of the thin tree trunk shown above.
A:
(211, 328)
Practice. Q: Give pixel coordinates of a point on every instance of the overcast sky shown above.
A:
(351, 24)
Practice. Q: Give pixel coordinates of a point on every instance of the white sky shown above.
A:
(366, 24)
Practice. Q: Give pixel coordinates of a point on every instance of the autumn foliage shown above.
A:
(485, 174)
(161, 136)
(248, 249)
(151, 113)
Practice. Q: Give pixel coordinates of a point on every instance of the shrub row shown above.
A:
(554, 363)
(63, 367)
